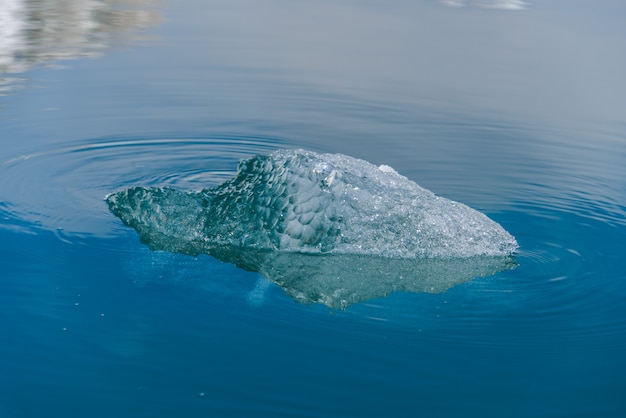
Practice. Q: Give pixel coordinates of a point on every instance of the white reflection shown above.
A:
(488, 4)
(453, 3)
(36, 32)
(10, 28)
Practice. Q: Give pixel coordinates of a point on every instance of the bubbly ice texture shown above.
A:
(289, 208)
(300, 201)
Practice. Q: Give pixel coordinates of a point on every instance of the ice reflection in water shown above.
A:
(339, 281)
(40, 32)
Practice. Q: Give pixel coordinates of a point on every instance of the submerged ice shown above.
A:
(295, 204)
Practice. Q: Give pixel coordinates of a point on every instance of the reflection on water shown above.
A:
(43, 31)
(489, 4)
(341, 280)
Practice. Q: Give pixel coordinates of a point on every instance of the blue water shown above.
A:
(516, 113)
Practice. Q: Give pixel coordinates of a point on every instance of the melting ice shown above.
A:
(327, 228)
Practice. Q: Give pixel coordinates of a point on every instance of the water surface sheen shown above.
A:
(506, 106)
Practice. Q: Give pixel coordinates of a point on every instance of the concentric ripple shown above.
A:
(568, 289)
(62, 189)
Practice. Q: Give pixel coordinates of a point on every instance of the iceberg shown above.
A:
(327, 228)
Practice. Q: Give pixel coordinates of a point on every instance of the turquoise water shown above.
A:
(516, 113)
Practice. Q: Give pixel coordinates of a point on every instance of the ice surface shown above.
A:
(289, 208)
(300, 201)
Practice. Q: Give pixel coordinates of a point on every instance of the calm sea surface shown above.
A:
(517, 109)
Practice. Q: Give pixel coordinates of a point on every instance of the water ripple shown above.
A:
(62, 189)
(565, 292)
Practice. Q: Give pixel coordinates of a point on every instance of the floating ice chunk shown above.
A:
(299, 202)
